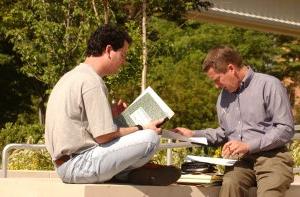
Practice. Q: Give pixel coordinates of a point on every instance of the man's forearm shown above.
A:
(116, 134)
(214, 136)
(276, 137)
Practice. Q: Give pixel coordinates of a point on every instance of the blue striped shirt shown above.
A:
(258, 114)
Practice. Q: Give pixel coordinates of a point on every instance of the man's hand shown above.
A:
(154, 125)
(183, 131)
(235, 148)
(118, 108)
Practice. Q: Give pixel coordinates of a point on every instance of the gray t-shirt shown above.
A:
(259, 114)
(77, 112)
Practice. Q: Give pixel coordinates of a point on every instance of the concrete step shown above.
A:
(28, 184)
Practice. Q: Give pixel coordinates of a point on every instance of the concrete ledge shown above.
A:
(44, 187)
(38, 187)
(28, 184)
(29, 174)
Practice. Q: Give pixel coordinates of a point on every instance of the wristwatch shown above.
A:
(140, 127)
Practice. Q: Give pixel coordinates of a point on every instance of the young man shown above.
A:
(255, 124)
(85, 144)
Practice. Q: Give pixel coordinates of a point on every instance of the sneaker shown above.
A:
(154, 174)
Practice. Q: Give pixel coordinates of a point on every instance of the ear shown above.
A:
(108, 50)
(230, 67)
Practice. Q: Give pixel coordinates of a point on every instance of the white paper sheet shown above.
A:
(212, 160)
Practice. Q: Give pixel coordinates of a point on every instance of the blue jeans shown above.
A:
(104, 161)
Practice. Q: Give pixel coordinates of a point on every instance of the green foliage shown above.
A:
(297, 114)
(16, 88)
(16, 133)
(50, 37)
(30, 160)
(132, 69)
(24, 159)
(295, 150)
(288, 58)
(173, 10)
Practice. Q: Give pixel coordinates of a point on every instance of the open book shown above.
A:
(176, 136)
(212, 160)
(144, 109)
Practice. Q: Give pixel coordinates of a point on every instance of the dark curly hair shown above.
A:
(106, 35)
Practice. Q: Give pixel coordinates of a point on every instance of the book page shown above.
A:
(212, 160)
(145, 108)
(198, 140)
(140, 117)
(158, 100)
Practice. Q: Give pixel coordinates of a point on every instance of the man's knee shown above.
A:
(151, 142)
(237, 182)
(232, 182)
(150, 136)
(233, 187)
(273, 185)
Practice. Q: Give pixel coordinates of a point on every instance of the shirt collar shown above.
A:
(247, 79)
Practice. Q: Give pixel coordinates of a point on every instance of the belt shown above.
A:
(63, 159)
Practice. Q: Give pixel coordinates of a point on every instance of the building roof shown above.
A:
(275, 16)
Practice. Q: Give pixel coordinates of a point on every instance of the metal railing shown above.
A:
(169, 146)
(8, 147)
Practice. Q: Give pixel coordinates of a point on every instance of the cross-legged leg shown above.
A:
(102, 162)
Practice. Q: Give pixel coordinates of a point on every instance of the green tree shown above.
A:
(49, 37)
(16, 89)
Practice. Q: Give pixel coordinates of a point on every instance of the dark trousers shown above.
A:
(270, 171)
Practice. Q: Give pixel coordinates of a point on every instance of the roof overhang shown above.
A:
(275, 16)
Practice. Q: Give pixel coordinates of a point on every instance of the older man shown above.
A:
(255, 124)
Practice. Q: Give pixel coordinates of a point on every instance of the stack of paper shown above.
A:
(200, 178)
(212, 160)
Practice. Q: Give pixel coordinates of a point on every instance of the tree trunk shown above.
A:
(106, 11)
(144, 44)
(42, 110)
(95, 10)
